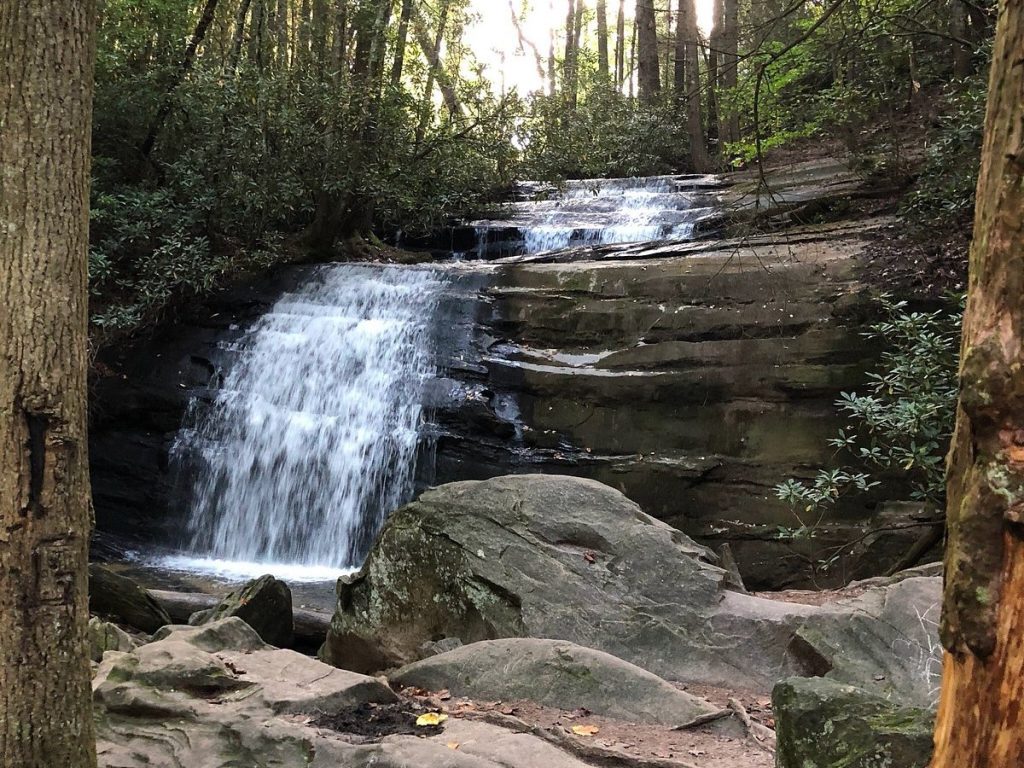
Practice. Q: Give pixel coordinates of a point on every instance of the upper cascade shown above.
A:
(312, 438)
(598, 212)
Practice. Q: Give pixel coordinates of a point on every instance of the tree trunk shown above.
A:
(679, 72)
(552, 75)
(694, 120)
(571, 83)
(980, 719)
(46, 65)
(728, 42)
(205, 19)
(400, 43)
(958, 28)
(647, 52)
(238, 37)
(319, 34)
(602, 39)
(282, 34)
(303, 36)
(620, 45)
(339, 43)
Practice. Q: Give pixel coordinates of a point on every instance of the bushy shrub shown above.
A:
(901, 425)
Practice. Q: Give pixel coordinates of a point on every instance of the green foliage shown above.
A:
(901, 426)
(947, 181)
(607, 135)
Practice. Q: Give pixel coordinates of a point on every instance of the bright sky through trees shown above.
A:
(496, 46)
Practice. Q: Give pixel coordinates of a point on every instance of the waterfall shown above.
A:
(312, 438)
(605, 211)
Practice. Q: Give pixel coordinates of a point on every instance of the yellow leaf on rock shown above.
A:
(585, 730)
(453, 745)
(430, 718)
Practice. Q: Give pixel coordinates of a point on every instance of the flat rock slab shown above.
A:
(557, 557)
(557, 674)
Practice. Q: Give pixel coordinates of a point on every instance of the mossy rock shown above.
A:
(824, 724)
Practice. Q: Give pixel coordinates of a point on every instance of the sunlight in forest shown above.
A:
(496, 46)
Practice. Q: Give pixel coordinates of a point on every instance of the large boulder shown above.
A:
(885, 640)
(115, 596)
(265, 604)
(555, 557)
(556, 674)
(822, 723)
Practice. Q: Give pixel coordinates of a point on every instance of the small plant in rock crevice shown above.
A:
(900, 427)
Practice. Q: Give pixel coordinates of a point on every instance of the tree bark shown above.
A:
(400, 42)
(238, 37)
(728, 42)
(46, 66)
(647, 52)
(980, 719)
(205, 20)
(602, 39)
(694, 119)
(620, 45)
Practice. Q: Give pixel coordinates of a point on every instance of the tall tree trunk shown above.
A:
(570, 81)
(694, 119)
(339, 43)
(602, 39)
(980, 721)
(46, 65)
(256, 33)
(319, 34)
(400, 42)
(187, 61)
(552, 75)
(303, 36)
(728, 42)
(281, 38)
(647, 52)
(620, 45)
(959, 29)
(432, 53)
(679, 72)
(238, 37)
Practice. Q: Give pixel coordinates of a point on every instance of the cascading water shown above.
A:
(313, 436)
(602, 212)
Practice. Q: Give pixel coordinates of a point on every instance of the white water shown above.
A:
(313, 437)
(608, 211)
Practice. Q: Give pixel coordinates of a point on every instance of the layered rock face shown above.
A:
(692, 376)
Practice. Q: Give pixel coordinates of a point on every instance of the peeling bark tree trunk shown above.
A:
(647, 52)
(46, 65)
(400, 41)
(980, 719)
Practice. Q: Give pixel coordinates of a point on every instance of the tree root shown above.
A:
(757, 733)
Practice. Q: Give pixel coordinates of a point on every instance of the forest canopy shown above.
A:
(235, 133)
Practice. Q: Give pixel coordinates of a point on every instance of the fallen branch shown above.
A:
(710, 717)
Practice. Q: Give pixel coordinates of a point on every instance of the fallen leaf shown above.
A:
(430, 718)
(585, 730)
(453, 745)
(590, 557)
